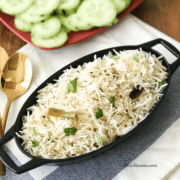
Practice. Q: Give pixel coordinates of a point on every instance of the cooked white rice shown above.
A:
(97, 81)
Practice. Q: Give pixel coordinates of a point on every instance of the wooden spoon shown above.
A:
(15, 80)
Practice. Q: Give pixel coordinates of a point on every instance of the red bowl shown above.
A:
(73, 37)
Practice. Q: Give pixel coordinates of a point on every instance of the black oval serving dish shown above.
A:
(36, 162)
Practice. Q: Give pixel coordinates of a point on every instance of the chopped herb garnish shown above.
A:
(70, 131)
(83, 67)
(72, 86)
(112, 100)
(51, 137)
(33, 132)
(155, 85)
(159, 83)
(102, 141)
(114, 57)
(35, 143)
(136, 59)
(99, 113)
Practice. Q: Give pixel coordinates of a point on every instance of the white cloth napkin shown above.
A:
(129, 31)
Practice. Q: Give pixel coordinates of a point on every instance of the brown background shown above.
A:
(164, 15)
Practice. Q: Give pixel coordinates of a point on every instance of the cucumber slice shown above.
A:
(113, 22)
(14, 7)
(46, 29)
(21, 25)
(55, 41)
(65, 12)
(40, 7)
(128, 2)
(77, 23)
(65, 22)
(121, 5)
(27, 17)
(68, 6)
(97, 12)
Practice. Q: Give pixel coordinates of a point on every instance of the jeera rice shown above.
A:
(99, 94)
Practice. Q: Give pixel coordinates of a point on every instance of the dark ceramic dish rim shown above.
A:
(36, 162)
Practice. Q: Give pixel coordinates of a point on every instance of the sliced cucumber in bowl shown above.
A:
(113, 22)
(97, 12)
(22, 25)
(121, 5)
(46, 29)
(29, 18)
(53, 42)
(48, 20)
(67, 6)
(66, 23)
(78, 23)
(41, 7)
(14, 7)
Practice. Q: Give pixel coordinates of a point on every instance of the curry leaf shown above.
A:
(136, 59)
(112, 100)
(35, 143)
(33, 132)
(72, 86)
(99, 113)
(70, 131)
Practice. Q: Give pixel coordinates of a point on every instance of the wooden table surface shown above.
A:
(161, 14)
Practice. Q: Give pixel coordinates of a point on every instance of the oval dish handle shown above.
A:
(169, 47)
(33, 163)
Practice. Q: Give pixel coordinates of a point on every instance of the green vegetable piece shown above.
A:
(70, 131)
(83, 67)
(112, 100)
(136, 59)
(161, 83)
(102, 141)
(116, 57)
(51, 137)
(33, 132)
(46, 29)
(15, 7)
(22, 25)
(55, 41)
(72, 86)
(35, 143)
(99, 113)
(97, 13)
(121, 5)
(40, 7)
(61, 113)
